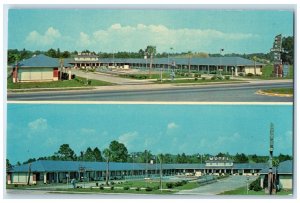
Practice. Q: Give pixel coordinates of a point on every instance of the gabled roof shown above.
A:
(226, 61)
(40, 60)
(285, 167)
(61, 166)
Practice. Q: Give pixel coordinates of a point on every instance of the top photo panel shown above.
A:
(150, 55)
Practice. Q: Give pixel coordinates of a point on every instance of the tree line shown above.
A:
(117, 152)
(15, 55)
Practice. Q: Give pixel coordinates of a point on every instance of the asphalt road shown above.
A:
(227, 184)
(216, 93)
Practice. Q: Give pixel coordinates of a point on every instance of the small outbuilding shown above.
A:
(39, 68)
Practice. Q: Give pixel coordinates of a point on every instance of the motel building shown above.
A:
(85, 61)
(230, 65)
(48, 171)
(284, 175)
(42, 68)
(39, 68)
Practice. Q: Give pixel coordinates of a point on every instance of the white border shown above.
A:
(263, 4)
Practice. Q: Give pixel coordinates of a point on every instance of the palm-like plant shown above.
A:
(107, 154)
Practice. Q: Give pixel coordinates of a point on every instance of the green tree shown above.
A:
(108, 155)
(66, 153)
(283, 157)
(89, 155)
(146, 156)
(66, 54)
(58, 55)
(119, 151)
(8, 165)
(241, 158)
(97, 154)
(288, 47)
(51, 53)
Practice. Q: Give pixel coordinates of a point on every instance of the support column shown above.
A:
(236, 72)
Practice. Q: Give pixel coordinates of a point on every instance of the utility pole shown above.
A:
(61, 67)
(270, 174)
(29, 172)
(160, 177)
(151, 61)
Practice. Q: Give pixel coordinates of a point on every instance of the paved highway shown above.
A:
(215, 93)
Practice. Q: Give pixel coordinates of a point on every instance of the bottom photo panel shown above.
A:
(149, 150)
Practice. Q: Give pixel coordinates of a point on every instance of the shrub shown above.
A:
(227, 77)
(219, 77)
(257, 188)
(177, 184)
(138, 189)
(196, 78)
(250, 74)
(101, 188)
(255, 185)
(126, 188)
(112, 182)
(241, 74)
(112, 188)
(184, 182)
(148, 189)
(170, 185)
(213, 77)
(203, 78)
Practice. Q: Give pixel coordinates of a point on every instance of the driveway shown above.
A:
(220, 186)
(109, 78)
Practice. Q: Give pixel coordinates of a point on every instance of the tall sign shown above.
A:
(277, 50)
(271, 178)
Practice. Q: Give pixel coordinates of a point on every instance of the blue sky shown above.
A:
(239, 31)
(35, 130)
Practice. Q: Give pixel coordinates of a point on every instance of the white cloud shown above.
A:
(84, 40)
(172, 125)
(87, 131)
(128, 139)
(48, 38)
(135, 37)
(38, 124)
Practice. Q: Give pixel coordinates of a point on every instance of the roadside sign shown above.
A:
(285, 70)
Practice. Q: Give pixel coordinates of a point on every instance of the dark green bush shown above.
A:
(126, 188)
(255, 185)
(213, 77)
(138, 189)
(250, 74)
(101, 188)
(148, 189)
(177, 184)
(203, 78)
(196, 79)
(112, 188)
(170, 185)
(184, 182)
(227, 77)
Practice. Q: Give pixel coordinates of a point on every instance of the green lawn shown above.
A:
(144, 76)
(243, 191)
(77, 82)
(118, 187)
(280, 91)
(193, 81)
(115, 190)
(267, 73)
